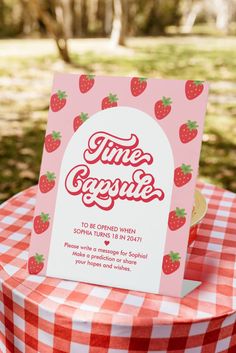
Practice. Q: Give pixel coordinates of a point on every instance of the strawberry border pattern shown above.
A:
(177, 106)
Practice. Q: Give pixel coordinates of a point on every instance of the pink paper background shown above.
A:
(182, 110)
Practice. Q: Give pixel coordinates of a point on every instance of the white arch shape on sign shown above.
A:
(148, 220)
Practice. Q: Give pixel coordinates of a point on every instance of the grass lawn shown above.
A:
(26, 68)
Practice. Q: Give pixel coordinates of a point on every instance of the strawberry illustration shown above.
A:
(109, 101)
(193, 89)
(138, 85)
(170, 262)
(47, 182)
(86, 82)
(41, 223)
(52, 141)
(176, 218)
(35, 264)
(182, 175)
(58, 101)
(162, 108)
(79, 120)
(188, 131)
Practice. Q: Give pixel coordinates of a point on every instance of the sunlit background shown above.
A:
(150, 38)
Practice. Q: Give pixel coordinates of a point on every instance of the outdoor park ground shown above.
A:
(26, 71)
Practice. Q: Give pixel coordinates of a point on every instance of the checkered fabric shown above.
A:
(39, 314)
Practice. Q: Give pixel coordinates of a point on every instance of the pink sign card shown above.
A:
(117, 180)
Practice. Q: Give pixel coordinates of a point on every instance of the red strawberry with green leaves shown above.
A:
(86, 82)
(193, 89)
(170, 263)
(162, 108)
(41, 223)
(110, 101)
(183, 175)
(138, 85)
(47, 182)
(35, 264)
(52, 141)
(58, 101)
(79, 120)
(177, 218)
(188, 131)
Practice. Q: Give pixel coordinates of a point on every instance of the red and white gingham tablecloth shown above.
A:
(39, 314)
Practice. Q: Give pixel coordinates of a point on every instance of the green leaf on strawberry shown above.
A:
(192, 125)
(44, 217)
(39, 258)
(186, 169)
(112, 98)
(166, 101)
(174, 256)
(180, 212)
(84, 116)
(56, 135)
(142, 79)
(90, 76)
(197, 83)
(50, 176)
(61, 94)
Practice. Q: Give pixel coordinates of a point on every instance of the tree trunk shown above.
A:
(108, 17)
(67, 17)
(92, 9)
(222, 15)
(84, 18)
(28, 23)
(119, 23)
(124, 4)
(190, 18)
(77, 15)
(2, 17)
(53, 27)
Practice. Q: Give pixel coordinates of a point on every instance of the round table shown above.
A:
(39, 314)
